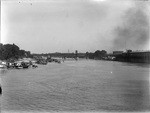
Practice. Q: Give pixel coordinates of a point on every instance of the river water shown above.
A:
(83, 85)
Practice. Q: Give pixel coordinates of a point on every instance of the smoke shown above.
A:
(133, 33)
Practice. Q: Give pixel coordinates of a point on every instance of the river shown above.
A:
(83, 85)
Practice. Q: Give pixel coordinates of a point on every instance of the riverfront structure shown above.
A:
(137, 57)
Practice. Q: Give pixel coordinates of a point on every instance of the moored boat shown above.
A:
(24, 65)
(2, 66)
(19, 67)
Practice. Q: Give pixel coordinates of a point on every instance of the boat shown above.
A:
(24, 65)
(43, 62)
(19, 67)
(2, 66)
(10, 65)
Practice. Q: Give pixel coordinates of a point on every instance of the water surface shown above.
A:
(84, 85)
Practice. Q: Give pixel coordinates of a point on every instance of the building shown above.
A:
(134, 56)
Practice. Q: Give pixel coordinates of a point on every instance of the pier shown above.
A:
(135, 56)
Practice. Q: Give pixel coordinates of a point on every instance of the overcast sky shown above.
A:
(46, 26)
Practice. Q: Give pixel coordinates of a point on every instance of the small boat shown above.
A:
(57, 61)
(43, 62)
(2, 66)
(10, 65)
(19, 67)
(24, 65)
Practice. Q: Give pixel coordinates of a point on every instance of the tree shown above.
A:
(12, 51)
(1, 51)
(22, 53)
(100, 54)
(97, 53)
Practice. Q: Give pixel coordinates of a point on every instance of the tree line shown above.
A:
(12, 52)
(96, 55)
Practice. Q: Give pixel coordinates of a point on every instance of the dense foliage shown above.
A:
(12, 51)
(96, 55)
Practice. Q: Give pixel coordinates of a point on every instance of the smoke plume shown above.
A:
(133, 33)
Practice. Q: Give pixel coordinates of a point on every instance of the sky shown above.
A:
(46, 26)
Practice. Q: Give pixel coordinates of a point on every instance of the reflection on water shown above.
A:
(85, 85)
(146, 65)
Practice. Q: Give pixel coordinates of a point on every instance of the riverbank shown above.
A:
(134, 57)
(18, 64)
(128, 56)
